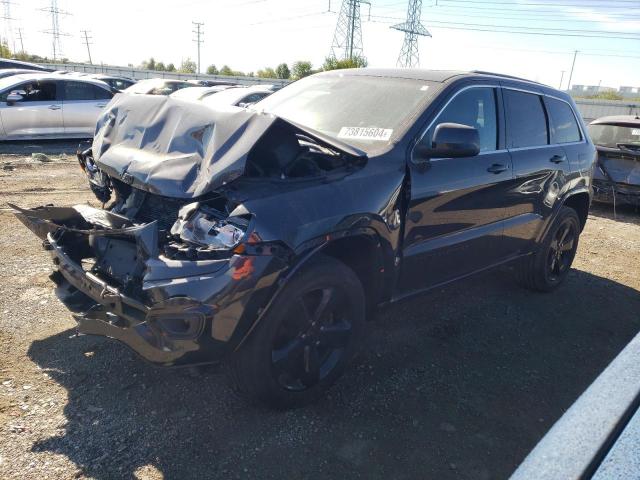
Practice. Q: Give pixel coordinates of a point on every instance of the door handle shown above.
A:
(54, 107)
(101, 105)
(558, 158)
(497, 168)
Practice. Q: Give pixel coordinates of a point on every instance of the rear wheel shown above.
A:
(547, 268)
(306, 339)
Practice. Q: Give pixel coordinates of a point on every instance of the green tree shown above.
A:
(226, 70)
(212, 70)
(332, 63)
(188, 66)
(149, 64)
(282, 71)
(160, 67)
(268, 72)
(606, 96)
(301, 69)
(4, 50)
(171, 67)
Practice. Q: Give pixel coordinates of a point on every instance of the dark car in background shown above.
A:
(6, 63)
(617, 176)
(264, 237)
(117, 84)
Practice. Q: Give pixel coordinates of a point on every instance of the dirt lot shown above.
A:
(458, 383)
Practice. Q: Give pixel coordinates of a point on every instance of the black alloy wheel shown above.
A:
(561, 250)
(312, 338)
(306, 338)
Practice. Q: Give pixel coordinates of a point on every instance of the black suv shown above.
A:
(264, 237)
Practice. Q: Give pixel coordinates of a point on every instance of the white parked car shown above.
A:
(197, 93)
(237, 96)
(157, 86)
(47, 105)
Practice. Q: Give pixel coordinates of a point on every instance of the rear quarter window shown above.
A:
(564, 126)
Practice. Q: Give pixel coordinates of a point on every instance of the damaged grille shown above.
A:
(162, 209)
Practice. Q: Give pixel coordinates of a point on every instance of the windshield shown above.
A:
(367, 112)
(612, 136)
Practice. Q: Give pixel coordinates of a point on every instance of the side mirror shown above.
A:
(450, 140)
(14, 97)
(245, 104)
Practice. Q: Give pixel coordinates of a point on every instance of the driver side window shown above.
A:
(475, 107)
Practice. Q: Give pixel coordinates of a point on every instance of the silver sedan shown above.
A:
(47, 105)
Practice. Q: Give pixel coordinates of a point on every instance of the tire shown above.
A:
(305, 340)
(549, 265)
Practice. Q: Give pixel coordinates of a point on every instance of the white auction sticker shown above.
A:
(635, 131)
(366, 133)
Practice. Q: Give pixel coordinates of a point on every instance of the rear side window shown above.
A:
(526, 120)
(475, 107)
(84, 91)
(564, 127)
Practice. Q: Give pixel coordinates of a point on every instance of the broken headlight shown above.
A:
(200, 232)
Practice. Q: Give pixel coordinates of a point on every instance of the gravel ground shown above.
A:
(459, 383)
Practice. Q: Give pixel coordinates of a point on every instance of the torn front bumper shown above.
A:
(182, 313)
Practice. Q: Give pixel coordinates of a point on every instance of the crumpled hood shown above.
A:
(172, 147)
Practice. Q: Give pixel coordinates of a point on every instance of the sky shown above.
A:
(249, 35)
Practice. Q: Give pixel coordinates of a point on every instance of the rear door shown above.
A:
(454, 220)
(82, 104)
(38, 114)
(540, 168)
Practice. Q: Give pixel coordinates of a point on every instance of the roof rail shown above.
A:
(503, 75)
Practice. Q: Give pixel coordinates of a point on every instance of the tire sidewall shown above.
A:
(255, 355)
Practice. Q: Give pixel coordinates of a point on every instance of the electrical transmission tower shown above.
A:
(55, 32)
(409, 54)
(85, 34)
(347, 39)
(199, 33)
(8, 29)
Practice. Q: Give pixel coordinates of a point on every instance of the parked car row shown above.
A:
(51, 105)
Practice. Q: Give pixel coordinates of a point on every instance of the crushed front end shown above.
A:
(177, 292)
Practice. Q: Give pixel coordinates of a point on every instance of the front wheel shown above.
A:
(304, 342)
(547, 268)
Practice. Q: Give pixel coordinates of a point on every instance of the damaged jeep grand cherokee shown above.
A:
(264, 237)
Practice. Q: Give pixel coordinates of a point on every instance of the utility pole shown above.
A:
(87, 43)
(347, 38)
(199, 33)
(575, 54)
(55, 32)
(561, 78)
(409, 53)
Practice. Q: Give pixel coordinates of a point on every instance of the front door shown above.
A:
(38, 113)
(454, 220)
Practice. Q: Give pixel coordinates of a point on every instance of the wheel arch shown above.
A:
(580, 202)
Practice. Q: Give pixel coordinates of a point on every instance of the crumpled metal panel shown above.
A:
(172, 147)
(624, 169)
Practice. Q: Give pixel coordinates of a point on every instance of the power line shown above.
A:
(87, 43)
(409, 53)
(199, 33)
(526, 11)
(347, 38)
(528, 30)
(538, 4)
